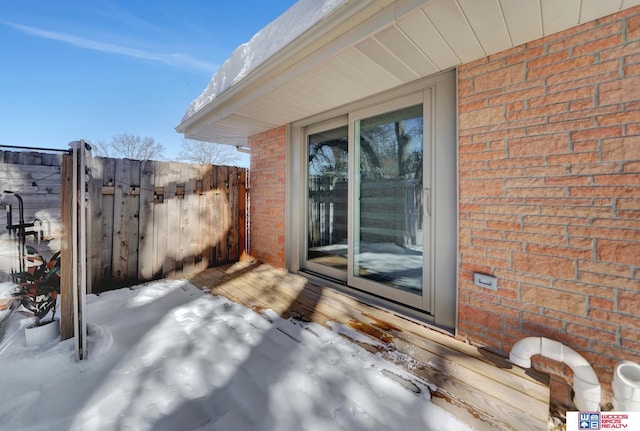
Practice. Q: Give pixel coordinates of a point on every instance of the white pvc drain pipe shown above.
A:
(586, 386)
(626, 387)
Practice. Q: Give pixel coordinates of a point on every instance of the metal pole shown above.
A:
(22, 237)
(18, 147)
(82, 237)
(74, 250)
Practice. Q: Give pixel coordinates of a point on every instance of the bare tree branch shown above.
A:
(130, 146)
(207, 153)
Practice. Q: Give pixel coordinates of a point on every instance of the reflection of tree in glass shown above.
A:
(390, 147)
(328, 157)
(392, 150)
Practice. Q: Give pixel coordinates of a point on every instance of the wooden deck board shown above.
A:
(480, 387)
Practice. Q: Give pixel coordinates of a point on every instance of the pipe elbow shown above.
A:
(524, 349)
(585, 381)
(582, 370)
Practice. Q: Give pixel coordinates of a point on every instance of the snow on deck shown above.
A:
(165, 356)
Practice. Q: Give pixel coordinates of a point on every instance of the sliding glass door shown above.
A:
(390, 197)
(373, 198)
(327, 206)
(367, 192)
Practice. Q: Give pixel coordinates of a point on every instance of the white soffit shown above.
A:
(384, 45)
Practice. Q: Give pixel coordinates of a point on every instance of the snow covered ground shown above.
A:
(165, 356)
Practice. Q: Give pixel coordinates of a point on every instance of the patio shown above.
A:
(481, 388)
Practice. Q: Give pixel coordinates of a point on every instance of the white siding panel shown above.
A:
(453, 26)
(485, 17)
(629, 3)
(333, 82)
(296, 98)
(360, 81)
(241, 124)
(523, 19)
(271, 108)
(356, 78)
(592, 9)
(424, 34)
(380, 55)
(559, 15)
(309, 84)
(369, 68)
(394, 40)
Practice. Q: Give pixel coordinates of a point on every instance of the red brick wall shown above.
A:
(268, 158)
(550, 193)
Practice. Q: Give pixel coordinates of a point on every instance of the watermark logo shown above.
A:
(588, 420)
(579, 421)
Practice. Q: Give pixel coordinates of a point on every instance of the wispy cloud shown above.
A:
(171, 59)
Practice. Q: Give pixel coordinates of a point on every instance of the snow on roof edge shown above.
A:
(276, 35)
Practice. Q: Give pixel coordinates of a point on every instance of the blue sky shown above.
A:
(74, 69)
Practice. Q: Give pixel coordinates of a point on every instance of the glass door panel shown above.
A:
(389, 193)
(327, 202)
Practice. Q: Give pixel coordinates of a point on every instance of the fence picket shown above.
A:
(94, 246)
(159, 218)
(233, 181)
(133, 219)
(172, 201)
(146, 238)
(206, 203)
(223, 228)
(119, 250)
(106, 222)
(190, 218)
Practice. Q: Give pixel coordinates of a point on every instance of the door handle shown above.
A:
(427, 201)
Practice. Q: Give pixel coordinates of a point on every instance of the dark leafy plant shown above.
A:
(39, 286)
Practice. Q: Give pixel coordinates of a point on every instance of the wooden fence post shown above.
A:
(73, 271)
(66, 273)
(242, 213)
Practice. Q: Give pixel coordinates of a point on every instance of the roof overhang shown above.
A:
(364, 47)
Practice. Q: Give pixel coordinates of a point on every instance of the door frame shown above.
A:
(422, 302)
(444, 197)
(337, 275)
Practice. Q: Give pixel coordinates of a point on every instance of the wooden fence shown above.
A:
(149, 219)
(35, 177)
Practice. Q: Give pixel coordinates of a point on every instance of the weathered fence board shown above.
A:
(95, 241)
(146, 238)
(106, 221)
(160, 213)
(155, 219)
(66, 245)
(170, 228)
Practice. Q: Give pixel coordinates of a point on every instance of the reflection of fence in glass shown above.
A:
(391, 212)
(390, 233)
(327, 211)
